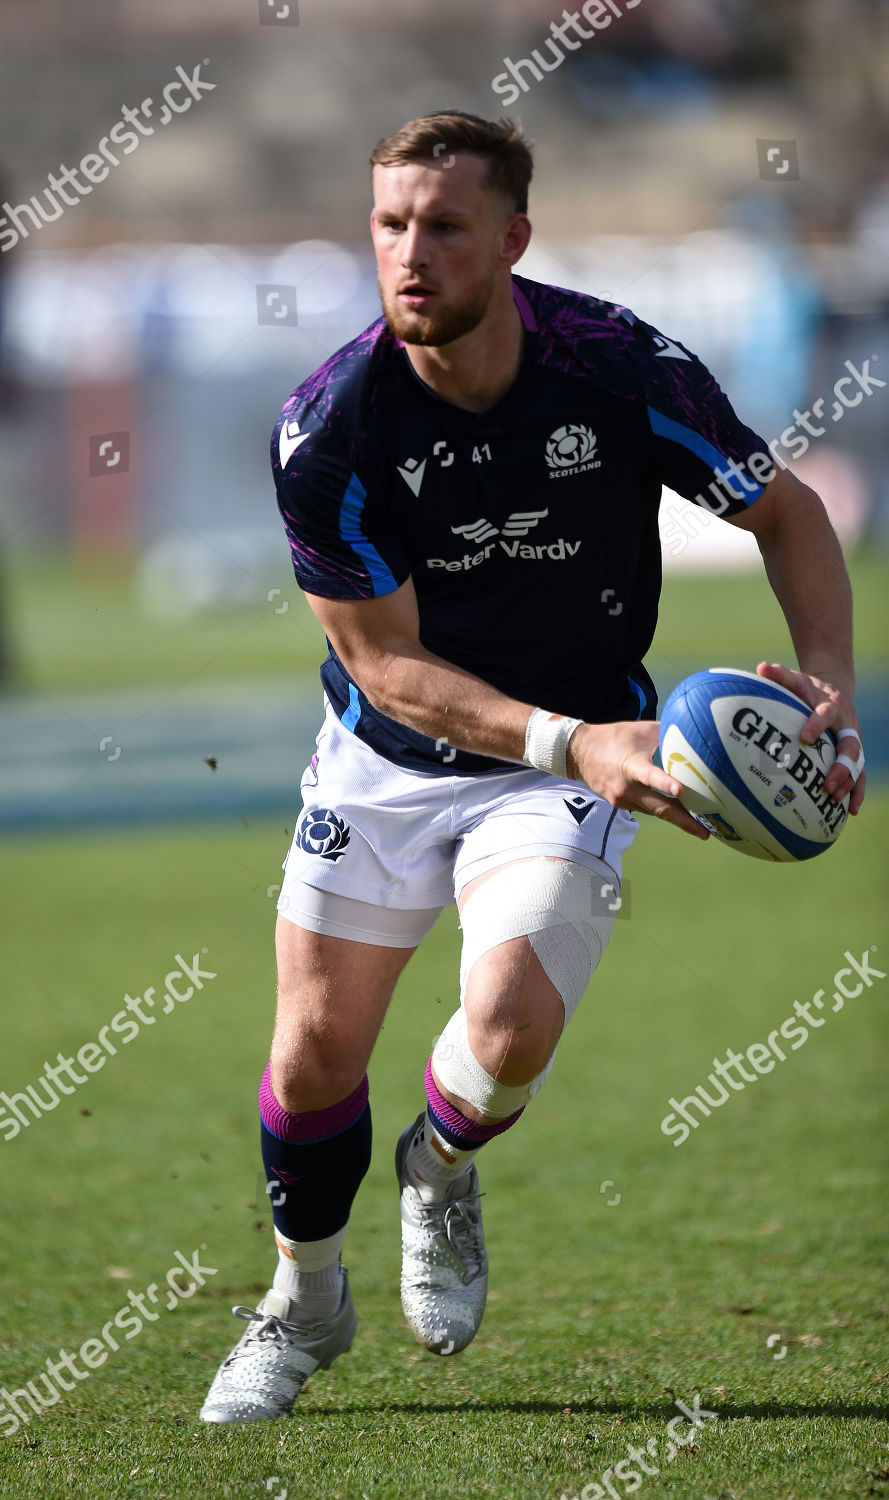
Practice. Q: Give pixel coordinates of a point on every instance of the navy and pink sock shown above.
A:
(314, 1164)
(319, 1159)
(444, 1147)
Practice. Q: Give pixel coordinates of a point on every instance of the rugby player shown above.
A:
(470, 489)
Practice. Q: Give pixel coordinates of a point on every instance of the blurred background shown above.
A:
(173, 262)
(720, 166)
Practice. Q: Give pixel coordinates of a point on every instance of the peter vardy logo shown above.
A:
(519, 523)
(476, 531)
(571, 450)
(323, 832)
(522, 521)
(516, 526)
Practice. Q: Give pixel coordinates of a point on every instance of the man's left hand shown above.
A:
(831, 709)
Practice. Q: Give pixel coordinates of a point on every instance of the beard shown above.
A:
(443, 326)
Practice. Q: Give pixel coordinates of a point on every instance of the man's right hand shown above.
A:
(615, 760)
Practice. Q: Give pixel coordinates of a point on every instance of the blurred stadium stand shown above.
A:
(135, 311)
(646, 190)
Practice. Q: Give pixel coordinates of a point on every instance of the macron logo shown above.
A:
(412, 474)
(667, 349)
(289, 441)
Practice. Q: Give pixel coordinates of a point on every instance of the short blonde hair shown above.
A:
(500, 142)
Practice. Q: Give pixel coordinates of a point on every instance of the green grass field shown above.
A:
(626, 1273)
(84, 629)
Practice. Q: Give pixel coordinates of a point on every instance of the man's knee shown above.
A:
(458, 1068)
(515, 1014)
(311, 1070)
(317, 1056)
(554, 904)
(332, 996)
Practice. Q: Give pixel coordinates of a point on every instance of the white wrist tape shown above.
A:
(546, 741)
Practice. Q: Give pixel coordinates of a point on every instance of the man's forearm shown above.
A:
(377, 642)
(452, 706)
(447, 703)
(806, 570)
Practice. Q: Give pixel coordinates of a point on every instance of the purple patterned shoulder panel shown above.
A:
(328, 391)
(689, 414)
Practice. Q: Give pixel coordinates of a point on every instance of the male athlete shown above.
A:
(471, 490)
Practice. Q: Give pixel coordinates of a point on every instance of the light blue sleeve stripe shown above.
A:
(663, 426)
(640, 695)
(353, 712)
(350, 531)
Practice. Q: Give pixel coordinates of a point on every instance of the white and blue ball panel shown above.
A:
(732, 739)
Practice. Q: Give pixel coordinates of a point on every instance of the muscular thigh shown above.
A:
(332, 998)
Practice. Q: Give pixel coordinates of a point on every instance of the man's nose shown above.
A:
(414, 248)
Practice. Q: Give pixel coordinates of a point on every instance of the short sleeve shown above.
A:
(341, 542)
(702, 449)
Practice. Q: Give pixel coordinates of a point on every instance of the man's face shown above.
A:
(438, 235)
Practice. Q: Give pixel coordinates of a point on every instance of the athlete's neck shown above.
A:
(477, 370)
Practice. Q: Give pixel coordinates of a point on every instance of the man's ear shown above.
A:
(515, 238)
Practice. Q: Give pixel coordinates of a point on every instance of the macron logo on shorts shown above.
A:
(323, 832)
(579, 807)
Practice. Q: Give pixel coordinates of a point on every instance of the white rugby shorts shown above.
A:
(394, 846)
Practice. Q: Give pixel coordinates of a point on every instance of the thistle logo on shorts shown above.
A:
(323, 832)
(571, 450)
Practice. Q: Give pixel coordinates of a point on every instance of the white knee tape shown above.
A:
(460, 1072)
(566, 910)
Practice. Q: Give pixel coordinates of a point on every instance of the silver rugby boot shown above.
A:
(444, 1268)
(274, 1358)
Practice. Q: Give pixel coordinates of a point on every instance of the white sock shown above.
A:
(439, 1170)
(309, 1273)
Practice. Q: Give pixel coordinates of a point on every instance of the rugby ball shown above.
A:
(732, 739)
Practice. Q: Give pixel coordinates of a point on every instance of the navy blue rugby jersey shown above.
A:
(529, 530)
